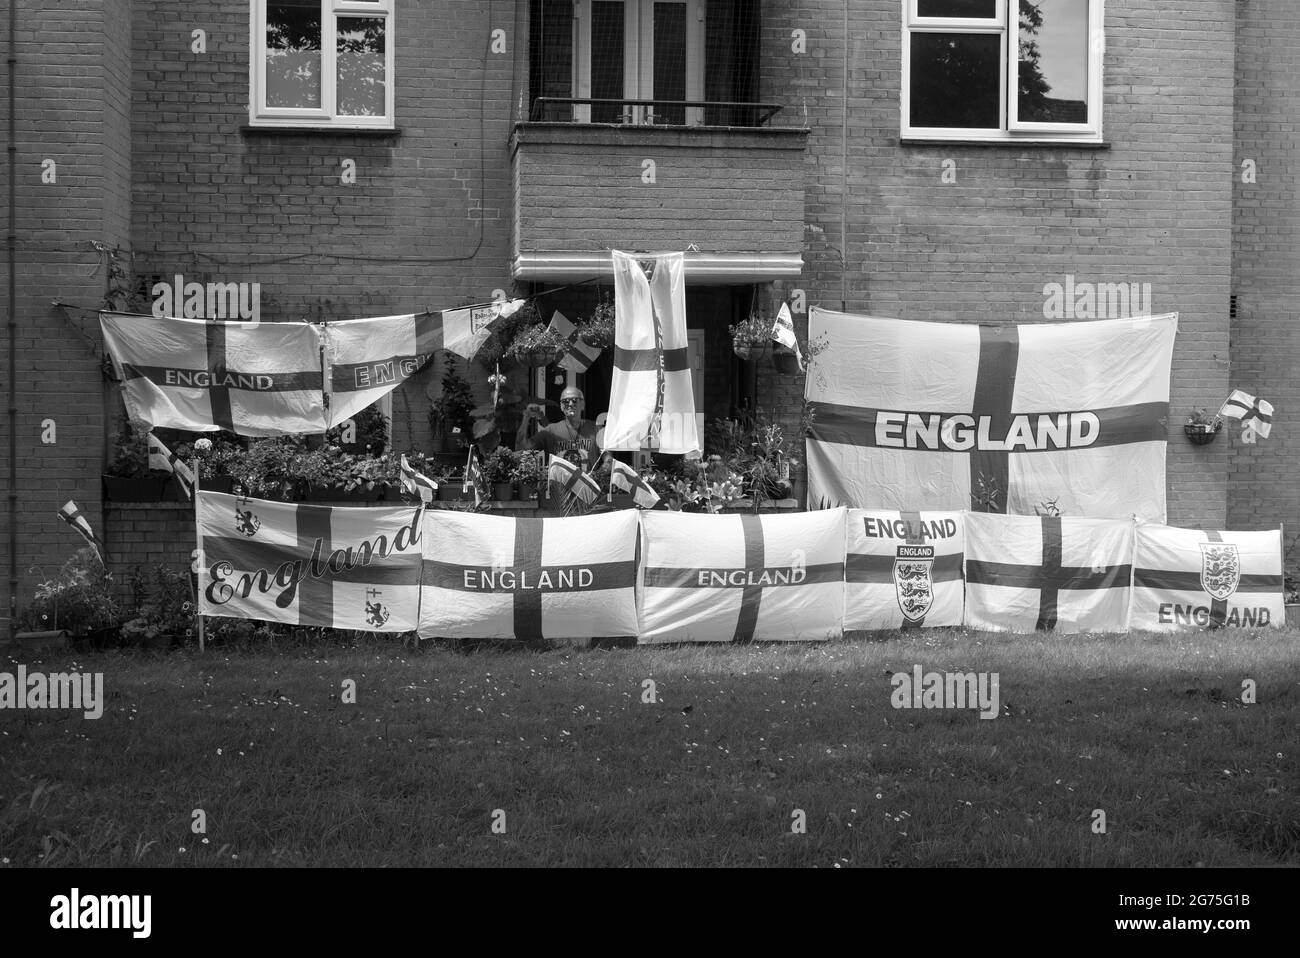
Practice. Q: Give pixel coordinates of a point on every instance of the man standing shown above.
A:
(572, 438)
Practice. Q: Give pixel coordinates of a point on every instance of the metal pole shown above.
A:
(198, 541)
(13, 323)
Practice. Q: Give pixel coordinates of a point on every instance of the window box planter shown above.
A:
(1200, 434)
(120, 489)
(449, 490)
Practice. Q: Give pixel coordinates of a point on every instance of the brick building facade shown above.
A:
(134, 131)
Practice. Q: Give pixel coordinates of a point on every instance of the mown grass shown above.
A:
(1149, 729)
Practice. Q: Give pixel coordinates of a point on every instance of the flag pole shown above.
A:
(198, 551)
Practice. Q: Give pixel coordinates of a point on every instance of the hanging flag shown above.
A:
(342, 568)
(160, 457)
(369, 358)
(652, 400)
(736, 578)
(73, 517)
(205, 375)
(783, 333)
(529, 579)
(580, 355)
(1255, 414)
(1027, 573)
(624, 477)
(571, 480)
(416, 483)
(953, 416)
(1187, 579)
(473, 477)
(903, 570)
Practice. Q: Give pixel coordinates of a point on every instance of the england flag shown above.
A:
(903, 570)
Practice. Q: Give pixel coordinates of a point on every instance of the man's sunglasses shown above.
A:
(570, 402)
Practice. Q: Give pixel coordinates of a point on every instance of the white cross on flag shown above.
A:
(953, 416)
(652, 400)
(1255, 414)
(205, 375)
(493, 577)
(1188, 579)
(903, 570)
(342, 568)
(737, 578)
(1027, 573)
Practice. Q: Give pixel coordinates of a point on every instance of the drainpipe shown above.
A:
(13, 326)
(844, 172)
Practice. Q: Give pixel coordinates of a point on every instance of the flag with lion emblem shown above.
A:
(903, 570)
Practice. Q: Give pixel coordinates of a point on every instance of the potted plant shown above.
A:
(451, 411)
(598, 330)
(267, 469)
(528, 473)
(751, 337)
(127, 478)
(498, 472)
(165, 616)
(538, 345)
(332, 475)
(1202, 426)
(450, 485)
(79, 600)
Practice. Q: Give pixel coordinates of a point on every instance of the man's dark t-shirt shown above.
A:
(559, 439)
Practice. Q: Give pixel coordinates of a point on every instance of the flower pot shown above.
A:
(527, 490)
(749, 353)
(503, 491)
(1200, 434)
(785, 361)
(119, 489)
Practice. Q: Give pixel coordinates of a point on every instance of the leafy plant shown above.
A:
(498, 465)
(131, 456)
(167, 609)
(452, 409)
(528, 467)
(754, 331)
(598, 329)
(1204, 419)
(752, 455)
(79, 598)
(537, 338)
(371, 431)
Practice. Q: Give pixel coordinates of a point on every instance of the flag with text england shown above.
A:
(953, 416)
(205, 375)
(342, 568)
(1189, 579)
(1027, 573)
(903, 570)
(493, 577)
(737, 578)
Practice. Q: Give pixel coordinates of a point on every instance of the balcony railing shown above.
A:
(575, 109)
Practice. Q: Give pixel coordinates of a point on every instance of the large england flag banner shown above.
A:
(205, 375)
(356, 568)
(950, 416)
(1188, 579)
(903, 570)
(1027, 573)
(737, 578)
(652, 399)
(492, 577)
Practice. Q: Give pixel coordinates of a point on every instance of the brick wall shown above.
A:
(1266, 265)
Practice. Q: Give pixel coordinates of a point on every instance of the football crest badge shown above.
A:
(914, 581)
(1220, 569)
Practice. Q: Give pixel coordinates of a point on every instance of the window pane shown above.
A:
(955, 80)
(607, 60)
(982, 9)
(1053, 61)
(361, 87)
(670, 60)
(550, 55)
(293, 54)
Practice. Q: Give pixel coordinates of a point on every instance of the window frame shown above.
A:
(1011, 129)
(260, 115)
(638, 58)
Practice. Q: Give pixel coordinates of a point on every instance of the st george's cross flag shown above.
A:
(624, 477)
(951, 416)
(1255, 414)
(417, 484)
(579, 355)
(160, 457)
(1189, 579)
(369, 358)
(783, 333)
(903, 570)
(568, 480)
(1027, 573)
(341, 568)
(737, 578)
(492, 577)
(73, 517)
(204, 375)
(652, 399)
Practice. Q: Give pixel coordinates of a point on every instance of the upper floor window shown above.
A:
(1023, 70)
(322, 63)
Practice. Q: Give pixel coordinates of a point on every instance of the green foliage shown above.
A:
(452, 409)
(753, 455)
(79, 598)
(528, 467)
(1204, 418)
(164, 605)
(754, 331)
(537, 338)
(598, 329)
(372, 430)
(131, 455)
(498, 465)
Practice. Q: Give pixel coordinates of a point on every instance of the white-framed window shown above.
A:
(1002, 70)
(638, 50)
(321, 63)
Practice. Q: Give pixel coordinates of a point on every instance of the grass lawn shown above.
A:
(1151, 730)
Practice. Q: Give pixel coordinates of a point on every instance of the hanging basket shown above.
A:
(785, 361)
(541, 357)
(750, 353)
(597, 338)
(1200, 435)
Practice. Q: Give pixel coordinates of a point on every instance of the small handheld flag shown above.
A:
(417, 484)
(73, 517)
(473, 477)
(624, 477)
(160, 457)
(1256, 414)
(573, 480)
(783, 333)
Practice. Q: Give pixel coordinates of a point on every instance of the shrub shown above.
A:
(80, 598)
